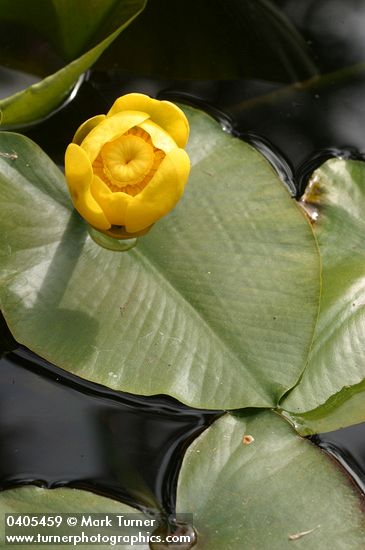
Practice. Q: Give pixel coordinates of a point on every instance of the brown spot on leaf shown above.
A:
(311, 201)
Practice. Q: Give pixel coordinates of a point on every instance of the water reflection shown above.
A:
(334, 29)
(216, 40)
(298, 119)
(348, 447)
(12, 81)
(57, 429)
(33, 54)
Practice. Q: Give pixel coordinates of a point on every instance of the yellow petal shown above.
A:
(161, 194)
(113, 204)
(160, 139)
(79, 175)
(109, 129)
(86, 127)
(164, 113)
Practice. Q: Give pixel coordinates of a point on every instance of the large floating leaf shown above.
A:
(34, 500)
(343, 409)
(336, 369)
(267, 494)
(216, 306)
(72, 29)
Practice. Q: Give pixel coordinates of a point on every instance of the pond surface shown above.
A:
(297, 126)
(303, 122)
(57, 429)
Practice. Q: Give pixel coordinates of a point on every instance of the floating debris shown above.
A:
(298, 536)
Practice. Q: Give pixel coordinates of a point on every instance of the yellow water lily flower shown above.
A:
(127, 169)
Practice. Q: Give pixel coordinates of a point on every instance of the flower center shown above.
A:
(129, 162)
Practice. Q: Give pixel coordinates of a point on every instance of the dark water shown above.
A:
(59, 430)
(347, 446)
(131, 447)
(305, 116)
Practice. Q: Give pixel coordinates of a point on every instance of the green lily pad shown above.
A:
(71, 29)
(343, 409)
(35, 500)
(335, 374)
(215, 306)
(277, 492)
